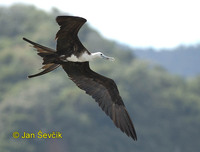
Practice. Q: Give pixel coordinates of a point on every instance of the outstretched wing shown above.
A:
(104, 91)
(67, 37)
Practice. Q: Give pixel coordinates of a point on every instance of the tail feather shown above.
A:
(40, 48)
(49, 69)
(49, 57)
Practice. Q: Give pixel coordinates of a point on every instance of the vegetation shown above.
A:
(183, 59)
(165, 108)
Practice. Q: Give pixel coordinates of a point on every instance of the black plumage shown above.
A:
(101, 88)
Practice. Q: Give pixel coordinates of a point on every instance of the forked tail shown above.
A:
(49, 58)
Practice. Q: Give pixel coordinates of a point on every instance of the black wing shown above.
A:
(67, 37)
(104, 91)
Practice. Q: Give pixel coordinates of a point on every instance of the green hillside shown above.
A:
(165, 109)
(184, 60)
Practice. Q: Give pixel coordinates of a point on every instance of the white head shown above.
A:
(101, 55)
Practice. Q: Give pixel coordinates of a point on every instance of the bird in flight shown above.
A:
(74, 59)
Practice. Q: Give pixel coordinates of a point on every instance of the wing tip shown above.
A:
(123, 121)
(61, 19)
(134, 136)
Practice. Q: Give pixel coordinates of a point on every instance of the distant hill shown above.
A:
(183, 60)
(165, 109)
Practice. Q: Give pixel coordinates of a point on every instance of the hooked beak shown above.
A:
(108, 58)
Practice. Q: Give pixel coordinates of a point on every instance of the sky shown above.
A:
(136, 23)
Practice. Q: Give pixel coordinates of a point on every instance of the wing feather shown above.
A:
(105, 93)
(67, 37)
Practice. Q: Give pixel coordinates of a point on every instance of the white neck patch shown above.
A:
(83, 58)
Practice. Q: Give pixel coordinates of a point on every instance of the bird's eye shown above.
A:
(101, 54)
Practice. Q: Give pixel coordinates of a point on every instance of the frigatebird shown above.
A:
(74, 59)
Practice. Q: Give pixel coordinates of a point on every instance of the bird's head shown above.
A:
(101, 55)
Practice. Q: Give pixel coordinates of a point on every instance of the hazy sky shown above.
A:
(139, 23)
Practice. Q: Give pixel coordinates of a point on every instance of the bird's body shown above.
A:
(74, 59)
